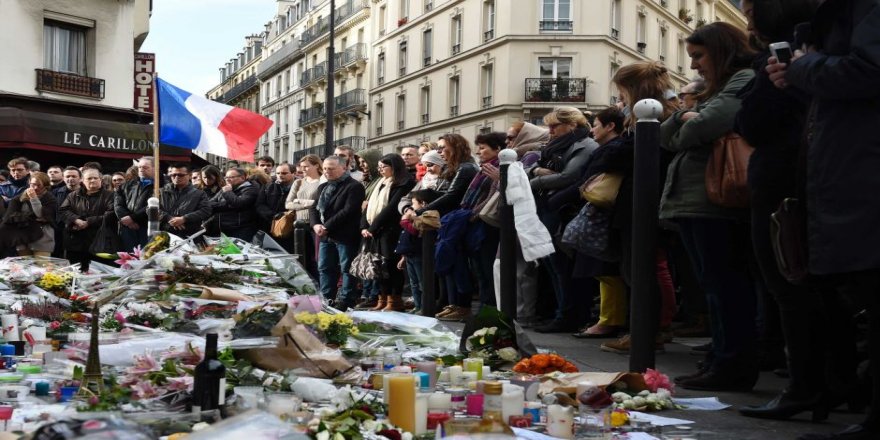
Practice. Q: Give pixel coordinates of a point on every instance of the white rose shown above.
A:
(639, 401)
(323, 435)
(370, 425)
(508, 354)
(663, 393)
(407, 436)
(619, 396)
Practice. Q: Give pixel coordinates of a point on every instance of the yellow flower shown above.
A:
(305, 318)
(619, 418)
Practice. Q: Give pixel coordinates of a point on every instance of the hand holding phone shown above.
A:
(782, 52)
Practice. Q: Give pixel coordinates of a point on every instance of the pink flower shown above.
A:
(144, 390)
(54, 325)
(184, 383)
(144, 364)
(94, 401)
(119, 317)
(656, 380)
(125, 257)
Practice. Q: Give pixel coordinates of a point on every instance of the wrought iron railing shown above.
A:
(456, 48)
(488, 35)
(298, 155)
(555, 90)
(487, 101)
(312, 114)
(278, 59)
(556, 25)
(357, 143)
(317, 30)
(426, 118)
(315, 73)
(453, 111)
(349, 100)
(69, 84)
(355, 52)
(236, 90)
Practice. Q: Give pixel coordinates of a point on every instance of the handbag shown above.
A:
(491, 211)
(589, 233)
(727, 170)
(369, 264)
(601, 190)
(788, 236)
(106, 241)
(282, 224)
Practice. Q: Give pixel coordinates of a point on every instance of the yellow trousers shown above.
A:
(612, 301)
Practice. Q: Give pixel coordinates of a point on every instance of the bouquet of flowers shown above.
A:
(544, 363)
(657, 397)
(58, 283)
(335, 328)
(492, 344)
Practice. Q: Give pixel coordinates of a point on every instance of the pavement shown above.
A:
(677, 360)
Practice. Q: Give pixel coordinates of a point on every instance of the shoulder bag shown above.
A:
(490, 213)
(282, 224)
(369, 264)
(601, 190)
(106, 241)
(727, 170)
(788, 233)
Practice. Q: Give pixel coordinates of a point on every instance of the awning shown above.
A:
(85, 136)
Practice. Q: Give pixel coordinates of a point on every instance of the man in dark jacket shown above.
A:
(272, 197)
(19, 179)
(336, 218)
(131, 206)
(56, 176)
(841, 72)
(183, 207)
(234, 213)
(71, 182)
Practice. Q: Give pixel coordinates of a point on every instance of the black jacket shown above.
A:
(387, 221)
(190, 203)
(235, 209)
(271, 202)
(20, 223)
(94, 209)
(457, 187)
(343, 212)
(843, 186)
(131, 200)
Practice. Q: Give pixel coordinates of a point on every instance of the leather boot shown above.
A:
(395, 304)
(380, 305)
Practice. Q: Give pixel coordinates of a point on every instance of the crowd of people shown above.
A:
(808, 121)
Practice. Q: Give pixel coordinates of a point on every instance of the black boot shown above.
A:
(785, 406)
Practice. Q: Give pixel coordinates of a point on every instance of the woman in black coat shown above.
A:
(82, 213)
(28, 223)
(381, 223)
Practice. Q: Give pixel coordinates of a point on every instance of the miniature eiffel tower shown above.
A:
(93, 378)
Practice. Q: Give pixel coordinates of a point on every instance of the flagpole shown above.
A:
(155, 135)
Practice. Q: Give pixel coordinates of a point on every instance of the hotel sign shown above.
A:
(144, 68)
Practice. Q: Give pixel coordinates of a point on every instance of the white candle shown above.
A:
(455, 375)
(560, 421)
(440, 401)
(469, 379)
(405, 369)
(486, 372)
(10, 327)
(512, 402)
(421, 413)
(443, 376)
(36, 332)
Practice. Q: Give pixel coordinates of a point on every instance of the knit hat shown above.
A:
(434, 158)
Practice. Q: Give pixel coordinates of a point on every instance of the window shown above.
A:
(663, 43)
(401, 112)
(429, 4)
(402, 58)
(380, 69)
(555, 67)
(380, 118)
(426, 105)
(382, 14)
(615, 19)
(64, 48)
(489, 17)
(454, 94)
(614, 67)
(456, 34)
(681, 53)
(286, 120)
(404, 10)
(641, 40)
(487, 84)
(427, 47)
(556, 15)
(700, 13)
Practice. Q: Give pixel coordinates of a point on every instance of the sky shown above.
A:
(193, 39)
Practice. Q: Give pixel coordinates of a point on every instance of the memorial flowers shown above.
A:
(334, 328)
(544, 363)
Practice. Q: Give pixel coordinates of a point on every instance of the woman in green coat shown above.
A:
(713, 235)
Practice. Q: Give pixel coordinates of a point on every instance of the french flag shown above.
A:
(191, 121)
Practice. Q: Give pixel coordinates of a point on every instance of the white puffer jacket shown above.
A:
(533, 236)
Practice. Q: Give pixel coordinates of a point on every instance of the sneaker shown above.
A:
(446, 310)
(457, 314)
(367, 303)
(622, 345)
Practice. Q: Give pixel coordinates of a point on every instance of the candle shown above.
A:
(421, 413)
(439, 402)
(469, 379)
(475, 365)
(401, 394)
(560, 421)
(486, 372)
(405, 369)
(386, 379)
(422, 380)
(530, 387)
(512, 402)
(436, 419)
(10, 327)
(457, 398)
(474, 404)
(430, 368)
(533, 409)
(443, 376)
(455, 375)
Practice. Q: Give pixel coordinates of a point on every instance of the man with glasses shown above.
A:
(270, 203)
(336, 220)
(183, 207)
(131, 205)
(233, 205)
(19, 179)
(689, 93)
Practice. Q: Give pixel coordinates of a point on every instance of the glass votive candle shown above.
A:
(391, 360)
(283, 405)
(474, 404)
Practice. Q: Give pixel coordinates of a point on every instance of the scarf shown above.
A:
(145, 182)
(379, 199)
(479, 190)
(328, 191)
(530, 138)
(429, 181)
(551, 155)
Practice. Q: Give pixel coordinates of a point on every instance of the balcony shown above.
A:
(456, 48)
(488, 35)
(69, 84)
(236, 90)
(453, 111)
(555, 90)
(314, 74)
(426, 118)
(317, 30)
(357, 143)
(349, 100)
(487, 101)
(556, 26)
(317, 150)
(354, 53)
(427, 61)
(312, 115)
(279, 59)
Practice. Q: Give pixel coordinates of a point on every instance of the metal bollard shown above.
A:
(507, 243)
(429, 292)
(645, 305)
(300, 235)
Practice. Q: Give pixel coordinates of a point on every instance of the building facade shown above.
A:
(239, 86)
(471, 66)
(70, 94)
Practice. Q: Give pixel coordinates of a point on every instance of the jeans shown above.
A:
(720, 265)
(414, 274)
(333, 257)
(132, 238)
(458, 284)
(370, 289)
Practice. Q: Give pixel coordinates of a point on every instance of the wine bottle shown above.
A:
(209, 385)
